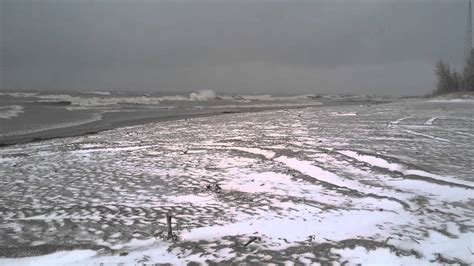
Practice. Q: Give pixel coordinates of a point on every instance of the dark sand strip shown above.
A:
(112, 121)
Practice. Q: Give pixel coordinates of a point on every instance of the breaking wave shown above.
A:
(204, 95)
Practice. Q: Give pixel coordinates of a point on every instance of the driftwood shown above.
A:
(252, 239)
(168, 224)
(169, 229)
(443, 260)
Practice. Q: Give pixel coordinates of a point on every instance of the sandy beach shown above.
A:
(344, 183)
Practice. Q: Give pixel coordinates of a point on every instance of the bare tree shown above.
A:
(468, 73)
(448, 81)
(444, 78)
(455, 81)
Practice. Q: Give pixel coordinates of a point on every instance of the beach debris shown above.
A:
(442, 260)
(123, 254)
(159, 234)
(144, 259)
(168, 224)
(213, 188)
(252, 239)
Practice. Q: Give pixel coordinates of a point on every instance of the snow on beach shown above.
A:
(288, 186)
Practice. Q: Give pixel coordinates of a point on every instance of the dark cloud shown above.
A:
(359, 46)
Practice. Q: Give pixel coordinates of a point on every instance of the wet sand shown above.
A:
(138, 117)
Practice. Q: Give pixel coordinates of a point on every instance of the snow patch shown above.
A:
(203, 200)
(344, 114)
(382, 163)
(379, 256)
(398, 121)
(430, 121)
(426, 135)
(266, 153)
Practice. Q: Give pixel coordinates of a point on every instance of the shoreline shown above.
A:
(104, 125)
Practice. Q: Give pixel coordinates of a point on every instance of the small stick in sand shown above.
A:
(252, 239)
(168, 223)
(386, 240)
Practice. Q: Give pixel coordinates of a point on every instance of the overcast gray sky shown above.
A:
(332, 46)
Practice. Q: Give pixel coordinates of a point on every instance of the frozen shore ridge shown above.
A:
(389, 183)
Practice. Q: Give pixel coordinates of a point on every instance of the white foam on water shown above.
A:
(204, 95)
(7, 112)
(18, 94)
(96, 92)
(93, 118)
